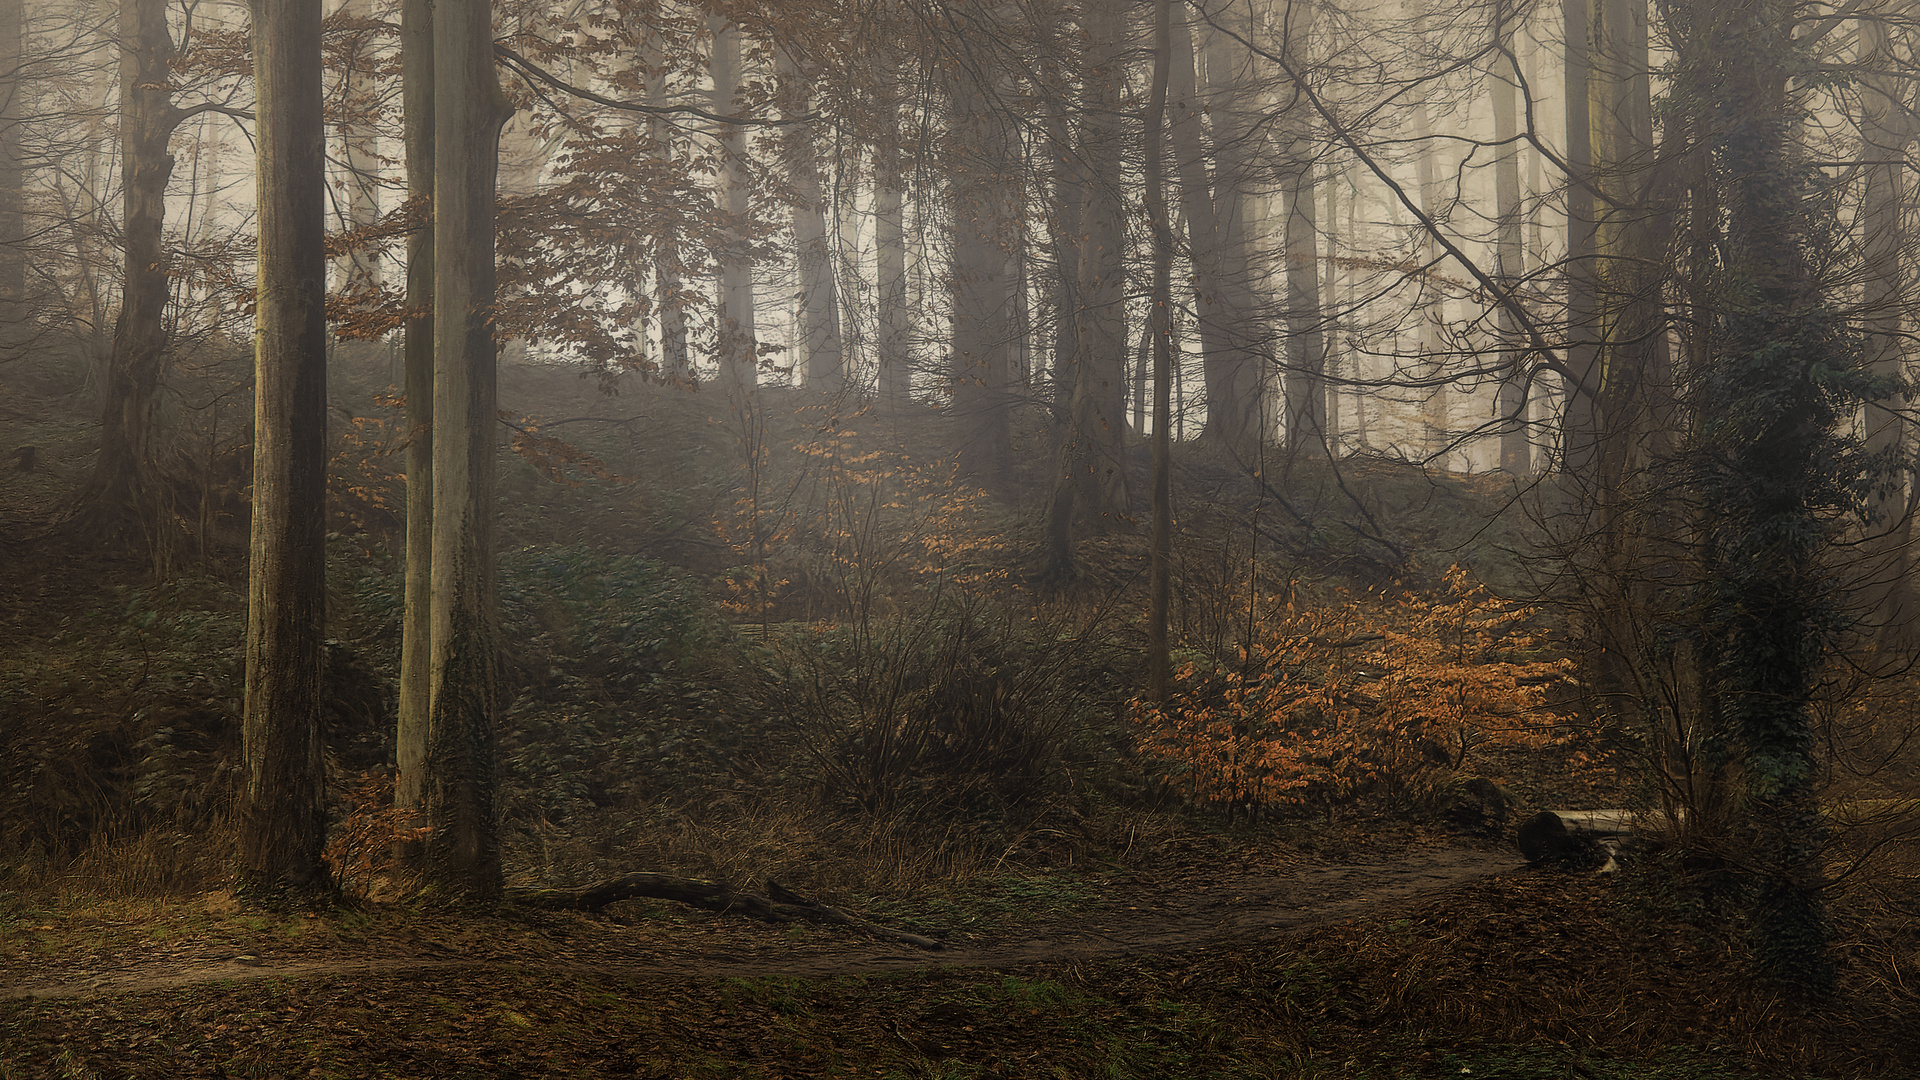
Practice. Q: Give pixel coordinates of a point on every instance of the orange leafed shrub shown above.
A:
(1356, 699)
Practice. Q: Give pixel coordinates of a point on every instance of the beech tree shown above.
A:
(462, 857)
(283, 823)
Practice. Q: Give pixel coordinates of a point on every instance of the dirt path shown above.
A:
(1154, 917)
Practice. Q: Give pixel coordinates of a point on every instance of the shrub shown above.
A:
(1354, 700)
(960, 712)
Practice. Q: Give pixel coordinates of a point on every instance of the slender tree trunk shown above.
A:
(1508, 242)
(123, 500)
(738, 347)
(1306, 388)
(462, 851)
(1221, 231)
(1160, 313)
(1102, 319)
(1579, 424)
(416, 638)
(360, 146)
(1435, 414)
(676, 359)
(284, 822)
(893, 348)
(13, 235)
(1335, 310)
(1888, 130)
(822, 354)
(983, 218)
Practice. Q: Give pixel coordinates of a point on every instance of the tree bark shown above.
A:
(13, 235)
(984, 218)
(1090, 487)
(737, 348)
(1160, 313)
(283, 823)
(893, 348)
(360, 146)
(123, 501)
(676, 358)
(416, 641)
(1773, 472)
(462, 851)
(1307, 431)
(822, 354)
(1229, 327)
(1511, 406)
(1887, 129)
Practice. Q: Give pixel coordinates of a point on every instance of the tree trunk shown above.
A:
(1579, 421)
(1221, 237)
(737, 346)
(1772, 472)
(822, 354)
(124, 501)
(284, 822)
(1511, 407)
(676, 359)
(13, 235)
(1091, 487)
(893, 348)
(360, 145)
(462, 851)
(1160, 316)
(1435, 414)
(416, 638)
(1887, 129)
(1306, 388)
(984, 217)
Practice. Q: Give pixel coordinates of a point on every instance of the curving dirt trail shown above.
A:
(1145, 918)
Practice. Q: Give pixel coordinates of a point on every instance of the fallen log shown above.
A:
(781, 904)
(1573, 838)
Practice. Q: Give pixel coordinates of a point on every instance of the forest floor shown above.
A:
(1371, 947)
(1413, 959)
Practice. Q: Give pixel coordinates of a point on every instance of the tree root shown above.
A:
(781, 904)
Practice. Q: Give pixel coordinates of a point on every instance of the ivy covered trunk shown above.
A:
(1776, 475)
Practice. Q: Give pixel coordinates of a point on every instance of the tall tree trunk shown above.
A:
(360, 145)
(13, 234)
(1160, 317)
(1579, 425)
(676, 358)
(462, 851)
(984, 217)
(1222, 232)
(284, 821)
(123, 501)
(1091, 488)
(893, 348)
(823, 357)
(1306, 388)
(416, 636)
(1335, 309)
(738, 347)
(1503, 78)
(1771, 471)
(1887, 130)
(1435, 414)
(1068, 178)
